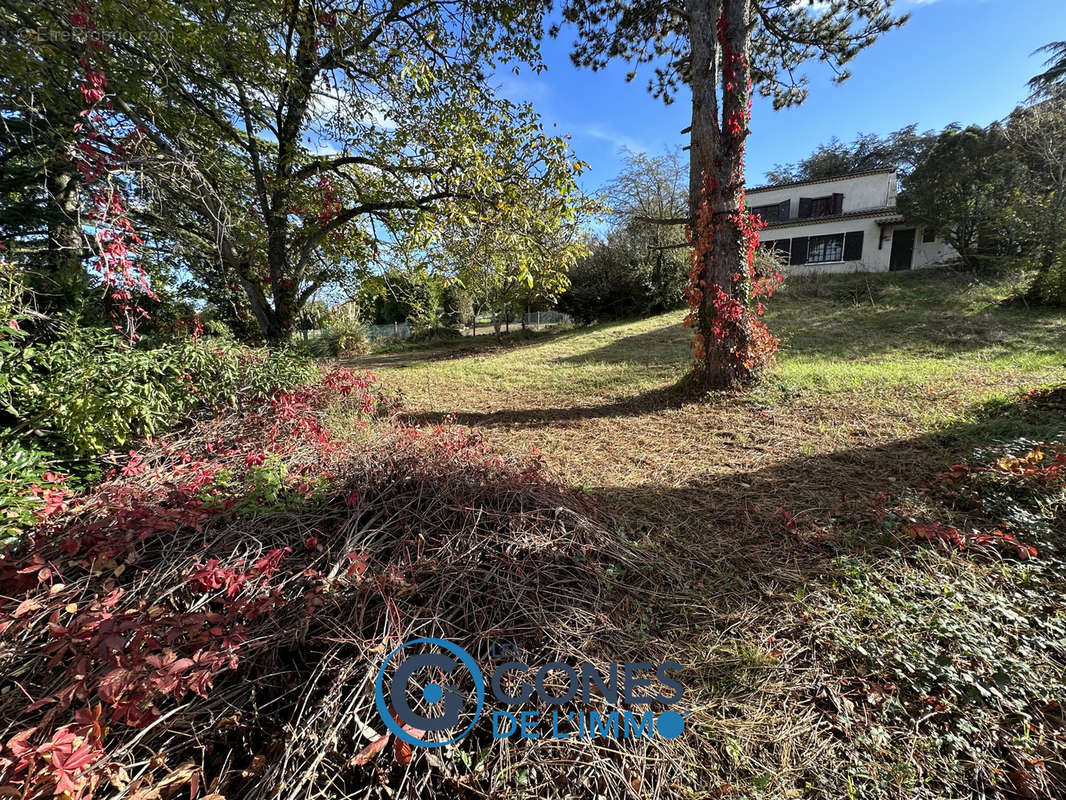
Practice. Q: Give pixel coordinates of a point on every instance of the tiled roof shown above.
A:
(881, 171)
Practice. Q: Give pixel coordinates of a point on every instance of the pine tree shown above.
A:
(1052, 80)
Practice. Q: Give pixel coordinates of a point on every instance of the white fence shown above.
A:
(398, 330)
(535, 320)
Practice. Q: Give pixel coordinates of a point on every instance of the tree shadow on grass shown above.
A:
(762, 555)
(467, 346)
(781, 523)
(664, 344)
(651, 401)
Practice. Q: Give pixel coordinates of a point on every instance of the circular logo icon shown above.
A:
(443, 695)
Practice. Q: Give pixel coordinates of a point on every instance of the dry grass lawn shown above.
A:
(883, 381)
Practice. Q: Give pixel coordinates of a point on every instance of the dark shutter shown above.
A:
(805, 207)
(853, 246)
(784, 210)
(799, 249)
(838, 204)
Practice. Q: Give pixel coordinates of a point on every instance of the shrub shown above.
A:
(1049, 287)
(458, 306)
(622, 277)
(254, 568)
(435, 335)
(218, 329)
(89, 391)
(332, 342)
(29, 490)
(343, 335)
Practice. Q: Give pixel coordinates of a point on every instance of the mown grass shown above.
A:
(812, 625)
(838, 333)
(916, 350)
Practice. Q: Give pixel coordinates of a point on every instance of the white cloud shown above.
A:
(524, 88)
(616, 138)
(331, 102)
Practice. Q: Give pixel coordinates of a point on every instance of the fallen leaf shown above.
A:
(365, 755)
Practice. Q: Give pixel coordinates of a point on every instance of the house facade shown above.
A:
(844, 224)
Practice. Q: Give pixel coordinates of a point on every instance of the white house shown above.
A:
(845, 224)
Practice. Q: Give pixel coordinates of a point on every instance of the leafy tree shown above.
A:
(719, 48)
(291, 141)
(398, 295)
(502, 278)
(1037, 137)
(1052, 80)
(904, 150)
(505, 262)
(39, 184)
(650, 188)
(964, 190)
(604, 285)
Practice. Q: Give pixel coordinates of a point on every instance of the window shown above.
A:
(773, 212)
(822, 249)
(929, 234)
(826, 206)
(779, 247)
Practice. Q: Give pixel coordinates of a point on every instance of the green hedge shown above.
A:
(89, 391)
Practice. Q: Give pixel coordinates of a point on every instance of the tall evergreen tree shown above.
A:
(903, 150)
(39, 184)
(1052, 80)
(963, 189)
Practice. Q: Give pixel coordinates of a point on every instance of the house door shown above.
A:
(902, 256)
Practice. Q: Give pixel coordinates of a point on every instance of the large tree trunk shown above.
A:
(716, 178)
(65, 244)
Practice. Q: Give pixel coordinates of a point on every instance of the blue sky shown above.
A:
(954, 61)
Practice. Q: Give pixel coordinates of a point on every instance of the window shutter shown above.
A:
(784, 210)
(853, 246)
(799, 249)
(805, 207)
(838, 204)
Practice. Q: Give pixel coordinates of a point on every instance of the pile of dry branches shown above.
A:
(211, 617)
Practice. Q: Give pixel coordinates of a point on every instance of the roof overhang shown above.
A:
(891, 217)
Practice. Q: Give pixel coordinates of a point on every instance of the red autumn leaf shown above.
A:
(113, 684)
(367, 754)
(790, 522)
(401, 751)
(360, 562)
